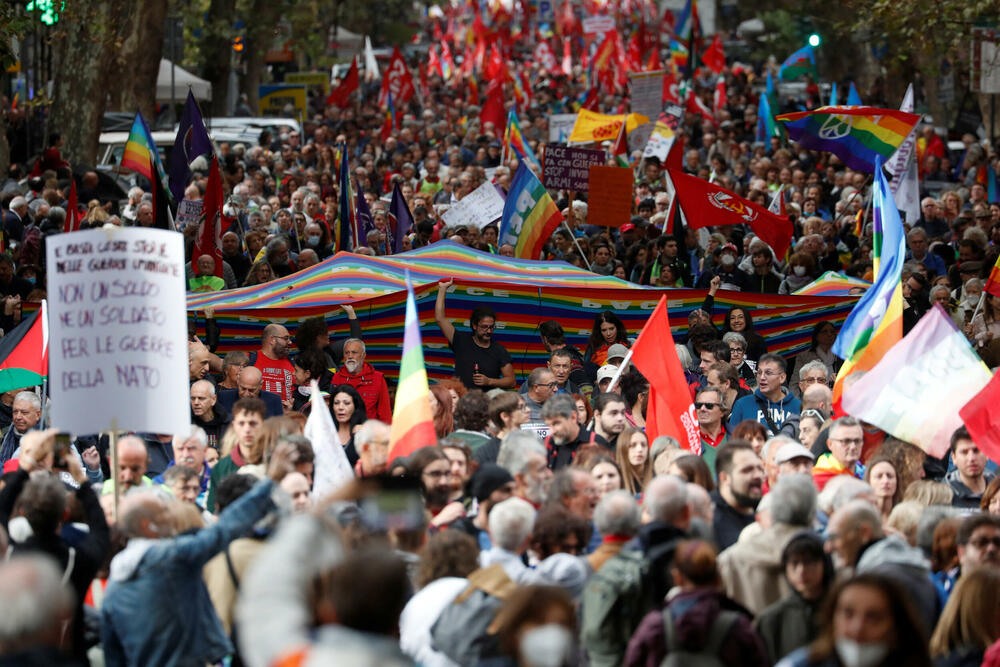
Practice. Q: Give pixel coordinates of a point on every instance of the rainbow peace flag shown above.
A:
(529, 215)
(412, 422)
(687, 20)
(876, 323)
(992, 285)
(678, 55)
(515, 141)
(139, 149)
(859, 136)
(798, 64)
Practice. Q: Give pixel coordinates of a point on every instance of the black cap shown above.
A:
(487, 479)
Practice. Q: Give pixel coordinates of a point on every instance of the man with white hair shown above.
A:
(510, 525)
(524, 458)
(26, 411)
(189, 450)
(135, 632)
(751, 570)
(372, 443)
(369, 382)
(16, 218)
(617, 519)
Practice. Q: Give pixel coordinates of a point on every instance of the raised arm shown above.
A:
(447, 328)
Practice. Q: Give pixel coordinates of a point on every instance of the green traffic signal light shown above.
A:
(814, 40)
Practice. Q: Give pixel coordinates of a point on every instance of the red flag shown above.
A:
(653, 63)
(620, 146)
(567, 60)
(545, 57)
(669, 408)
(695, 105)
(670, 93)
(633, 54)
(714, 58)
(396, 80)
(706, 204)
(209, 238)
(447, 62)
(675, 156)
(983, 419)
(495, 67)
(719, 100)
(341, 95)
(592, 103)
(492, 111)
(73, 219)
(433, 62)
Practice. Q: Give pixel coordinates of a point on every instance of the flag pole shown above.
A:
(982, 297)
(113, 445)
(569, 214)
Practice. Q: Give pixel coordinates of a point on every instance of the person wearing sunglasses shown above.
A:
(708, 404)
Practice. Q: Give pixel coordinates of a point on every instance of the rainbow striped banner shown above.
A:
(524, 293)
(139, 149)
(412, 421)
(832, 283)
(515, 140)
(857, 135)
(529, 215)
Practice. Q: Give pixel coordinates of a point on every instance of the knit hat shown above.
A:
(487, 479)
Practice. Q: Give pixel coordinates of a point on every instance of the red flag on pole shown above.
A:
(209, 238)
(983, 419)
(492, 111)
(669, 409)
(705, 204)
(714, 58)
(397, 81)
(341, 95)
(73, 219)
(719, 100)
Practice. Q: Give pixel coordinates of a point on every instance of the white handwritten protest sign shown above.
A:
(480, 207)
(118, 335)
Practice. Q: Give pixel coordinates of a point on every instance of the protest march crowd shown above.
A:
(543, 520)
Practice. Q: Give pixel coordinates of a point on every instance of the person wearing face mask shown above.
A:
(801, 267)
(729, 274)
(870, 624)
(537, 628)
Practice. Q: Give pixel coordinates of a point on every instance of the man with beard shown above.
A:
(609, 420)
(970, 478)
(431, 466)
(566, 435)
(524, 458)
(480, 361)
(741, 485)
(489, 485)
(369, 382)
(272, 361)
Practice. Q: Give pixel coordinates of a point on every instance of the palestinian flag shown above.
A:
(24, 352)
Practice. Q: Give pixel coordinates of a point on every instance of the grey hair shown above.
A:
(974, 282)
(535, 377)
(617, 514)
(847, 422)
(364, 349)
(777, 440)
(793, 500)
(29, 397)
(35, 600)
(560, 405)
(814, 365)
(665, 497)
(511, 522)
(211, 387)
(196, 433)
(367, 432)
(938, 288)
(18, 202)
(929, 520)
(515, 450)
(683, 355)
(862, 512)
(660, 444)
(734, 337)
(849, 490)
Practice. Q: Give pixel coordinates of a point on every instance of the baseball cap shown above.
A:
(617, 351)
(606, 372)
(730, 246)
(792, 450)
(627, 227)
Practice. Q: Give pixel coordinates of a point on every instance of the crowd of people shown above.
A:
(542, 527)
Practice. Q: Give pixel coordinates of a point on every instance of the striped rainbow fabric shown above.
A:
(515, 141)
(524, 293)
(139, 149)
(857, 135)
(832, 283)
(876, 323)
(412, 421)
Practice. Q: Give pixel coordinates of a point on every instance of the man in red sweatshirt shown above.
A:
(369, 382)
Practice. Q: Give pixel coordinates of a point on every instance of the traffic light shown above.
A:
(238, 44)
(814, 40)
(49, 10)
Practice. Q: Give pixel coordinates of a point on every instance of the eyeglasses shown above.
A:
(848, 441)
(983, 542)
(550, 385)
(768, 374)
(486, 327)
(736, 348)
(705, 406)
(813, 381)
(811, 412)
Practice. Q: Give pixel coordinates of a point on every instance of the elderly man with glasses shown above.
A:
(771, 404)
(846, 439)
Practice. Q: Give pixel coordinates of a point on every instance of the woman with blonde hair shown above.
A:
(970, 622)
(632, 457)
(927, 493)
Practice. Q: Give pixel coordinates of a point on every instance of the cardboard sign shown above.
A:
(188, 212)
(566, 168)
(598, 25)
(610, 200)
(118, 347)
(646, 90)
(540, 429)
(275, 97)
(561, 126)
(480, 207)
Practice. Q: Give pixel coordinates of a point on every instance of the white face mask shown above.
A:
(800, 271)
(546, 646)
(854, 654)
(728, 260)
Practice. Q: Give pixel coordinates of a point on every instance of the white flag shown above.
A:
(371, 66)
(331, 470)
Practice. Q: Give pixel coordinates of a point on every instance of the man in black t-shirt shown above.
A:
(480, 361)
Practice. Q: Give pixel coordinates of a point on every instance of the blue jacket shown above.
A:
(157, 610)
(748, 408)
(227, 397)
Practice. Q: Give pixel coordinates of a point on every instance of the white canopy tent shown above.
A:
(183, 79)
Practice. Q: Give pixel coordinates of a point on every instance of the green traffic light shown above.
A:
(814, 40)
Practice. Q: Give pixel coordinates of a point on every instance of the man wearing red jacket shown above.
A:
(369, 382)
